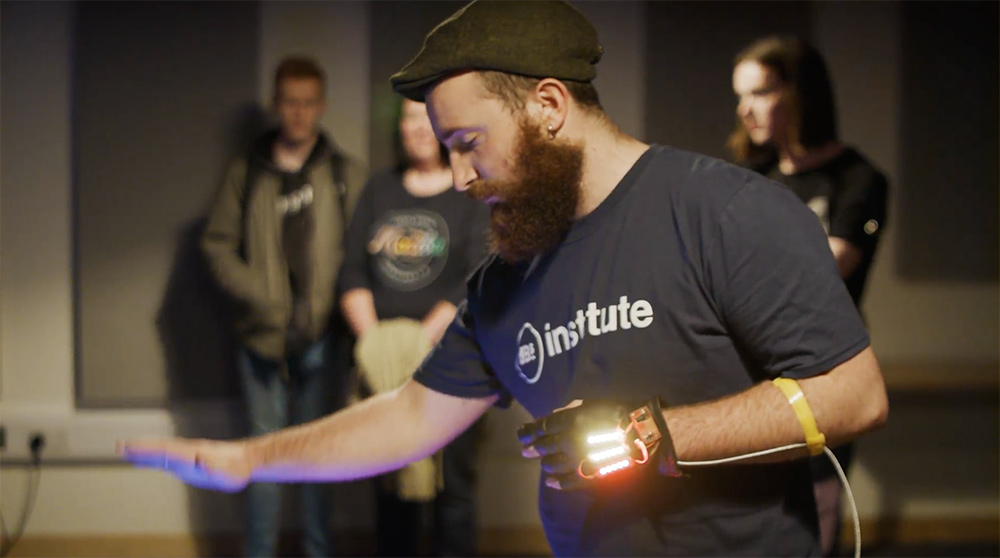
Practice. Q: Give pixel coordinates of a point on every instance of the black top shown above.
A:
(412, 252)
(693, 280)
(849, 196)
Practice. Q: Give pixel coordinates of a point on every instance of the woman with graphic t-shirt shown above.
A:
(411, 245)
(786, 129)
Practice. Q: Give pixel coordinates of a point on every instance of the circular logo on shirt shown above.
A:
(530, 354)
(410, 247)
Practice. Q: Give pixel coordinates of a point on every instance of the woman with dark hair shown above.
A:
(786, 129)
(411, 245)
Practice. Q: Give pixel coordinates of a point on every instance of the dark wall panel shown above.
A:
(163, 97)
(948, 122)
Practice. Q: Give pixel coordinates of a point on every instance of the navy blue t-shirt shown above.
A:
(693, 280)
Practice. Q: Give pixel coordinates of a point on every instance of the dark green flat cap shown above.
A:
(535, 38)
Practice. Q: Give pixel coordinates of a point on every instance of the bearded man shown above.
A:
(651, 308)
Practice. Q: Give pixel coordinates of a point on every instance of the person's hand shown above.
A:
(209, 464)
(588, 441)
(436, 322)
(434, 331)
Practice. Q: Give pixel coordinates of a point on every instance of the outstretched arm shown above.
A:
(377, 435)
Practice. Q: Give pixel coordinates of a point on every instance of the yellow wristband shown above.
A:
(815, 440)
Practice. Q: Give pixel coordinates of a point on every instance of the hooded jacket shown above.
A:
(248, 256)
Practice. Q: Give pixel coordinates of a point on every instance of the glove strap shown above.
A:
(656, 435)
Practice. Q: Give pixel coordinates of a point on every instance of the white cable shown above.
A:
(833, 459)
(850, 499)
(739, 457)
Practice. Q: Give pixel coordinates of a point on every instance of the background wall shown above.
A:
(665, 78)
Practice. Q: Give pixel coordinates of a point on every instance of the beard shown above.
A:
(538, 204)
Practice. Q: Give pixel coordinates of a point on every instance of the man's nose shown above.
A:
(463, 173)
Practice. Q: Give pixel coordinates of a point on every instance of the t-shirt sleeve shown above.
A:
(776, 286)
(859, 212)
(456, 365)
(354, 269)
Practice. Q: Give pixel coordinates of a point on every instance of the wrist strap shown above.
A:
(815, 440)
(667, 458)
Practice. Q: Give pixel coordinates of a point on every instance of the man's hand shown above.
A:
(585, 442)
(560, 439)
(209, 464)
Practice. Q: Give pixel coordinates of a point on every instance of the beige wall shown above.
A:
(956, 322)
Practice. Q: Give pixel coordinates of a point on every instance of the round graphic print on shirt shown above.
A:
(410, 247)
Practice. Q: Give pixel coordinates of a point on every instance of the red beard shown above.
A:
(538, 204)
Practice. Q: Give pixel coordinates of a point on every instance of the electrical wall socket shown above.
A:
(89, 436)
(19, 434)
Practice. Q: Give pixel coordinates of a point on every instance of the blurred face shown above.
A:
(415, 130)
(761, 106)
(531, 182)
(299, 104)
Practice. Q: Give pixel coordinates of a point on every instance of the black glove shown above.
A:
(597, 439)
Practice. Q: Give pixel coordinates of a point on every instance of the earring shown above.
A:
(552, 134)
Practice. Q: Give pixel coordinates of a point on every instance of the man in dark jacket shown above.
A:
(273, 242)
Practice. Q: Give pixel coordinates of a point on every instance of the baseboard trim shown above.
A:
(890, 531)
(510, 541)
(941, 376)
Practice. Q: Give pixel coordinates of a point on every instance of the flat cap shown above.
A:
(535, 38)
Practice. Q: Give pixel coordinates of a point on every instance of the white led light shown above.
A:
(614, 436)
(614, 467)
(606, 454)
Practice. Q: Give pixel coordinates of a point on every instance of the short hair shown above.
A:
(512, 90)
(298, 67)
(810, 95)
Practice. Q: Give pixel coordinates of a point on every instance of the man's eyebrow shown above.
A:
(446, 135)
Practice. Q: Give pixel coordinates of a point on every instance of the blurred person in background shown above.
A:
(411, 246)
(786, 129)
(273, 243)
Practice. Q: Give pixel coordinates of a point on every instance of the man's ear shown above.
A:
(552, 104)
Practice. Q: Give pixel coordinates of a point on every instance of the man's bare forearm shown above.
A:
(380, 434)
(847, 402)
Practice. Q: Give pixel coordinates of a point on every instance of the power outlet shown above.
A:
(48, 439)
(89, 437)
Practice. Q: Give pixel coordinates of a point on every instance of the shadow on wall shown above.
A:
(195, 319)
(194, 323)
